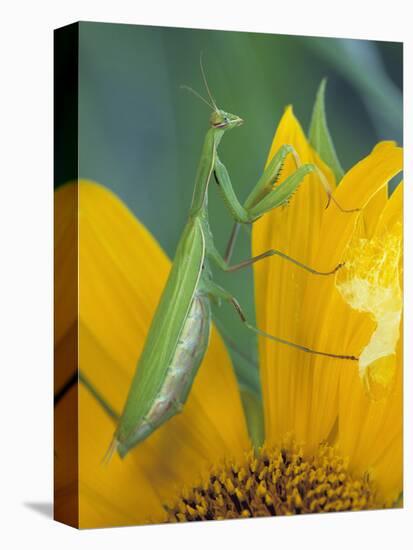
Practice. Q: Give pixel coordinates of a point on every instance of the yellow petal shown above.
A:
(376, 204)
(331, 324)
(370, 282)
(370, 432)
(371, 422)
(392, 213)
(66, 459)
(280, 288)
(122, 271)
(356, 190)
(65, 358)
(65, 284)
(113, 494)
(300, 390)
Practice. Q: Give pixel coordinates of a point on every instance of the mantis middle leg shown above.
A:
(217, 292)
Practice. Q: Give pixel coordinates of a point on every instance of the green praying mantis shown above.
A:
(178, 336)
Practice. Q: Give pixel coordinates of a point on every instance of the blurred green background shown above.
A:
(140, 134)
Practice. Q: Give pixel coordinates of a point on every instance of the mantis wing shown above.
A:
(166, 326)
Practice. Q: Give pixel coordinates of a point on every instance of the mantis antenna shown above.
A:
(206, 83)
(185, 87)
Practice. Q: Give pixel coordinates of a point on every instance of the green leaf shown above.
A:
(254, 415)
(383, 98)
(319, 134)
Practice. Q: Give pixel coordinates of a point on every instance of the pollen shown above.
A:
(370, 282)
(275, 482)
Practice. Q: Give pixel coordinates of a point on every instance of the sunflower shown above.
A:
(333, 428)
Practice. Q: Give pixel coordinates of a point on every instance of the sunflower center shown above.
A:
(275, 482)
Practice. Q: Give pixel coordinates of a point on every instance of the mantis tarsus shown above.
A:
(179, 333)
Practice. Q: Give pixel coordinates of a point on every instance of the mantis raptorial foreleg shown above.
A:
(217, 292)
(264, 184)
(264, 197)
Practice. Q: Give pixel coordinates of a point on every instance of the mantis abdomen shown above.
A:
(190, 350)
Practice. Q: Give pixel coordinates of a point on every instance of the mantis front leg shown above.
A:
(263, 186)
(263, 198)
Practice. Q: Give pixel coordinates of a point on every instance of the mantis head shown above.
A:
(224, 121)
(219, 118)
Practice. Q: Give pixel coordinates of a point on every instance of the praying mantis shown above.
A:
(178, 336)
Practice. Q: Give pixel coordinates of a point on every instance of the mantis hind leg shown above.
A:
(220, 293)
